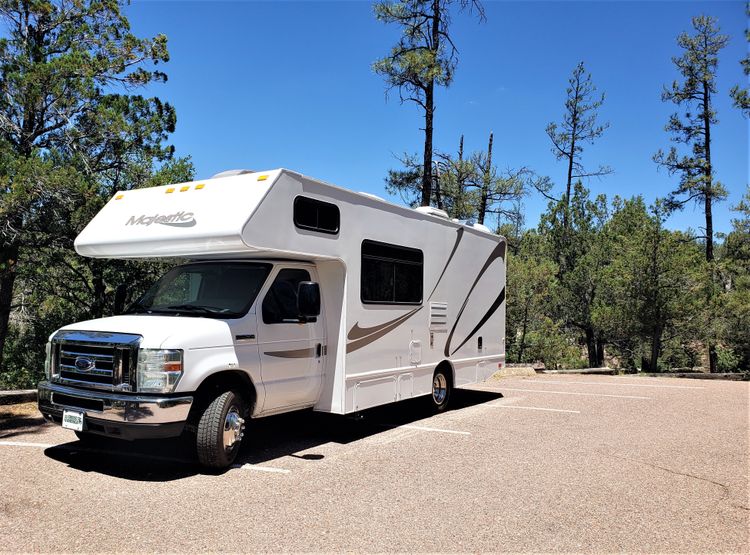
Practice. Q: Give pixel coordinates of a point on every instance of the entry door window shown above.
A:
(280, 304)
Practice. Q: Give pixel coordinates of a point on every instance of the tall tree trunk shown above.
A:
(486, 182)
(8, 273)
(655, 348)
(591, 346)
(429, 111)
(427, 162)
(438, 196)
(100, 297)
(522, 346)
(708, 208)
(599, 352)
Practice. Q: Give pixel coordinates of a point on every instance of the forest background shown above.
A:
(608, 263)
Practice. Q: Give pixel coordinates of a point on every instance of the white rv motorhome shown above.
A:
(294, 294)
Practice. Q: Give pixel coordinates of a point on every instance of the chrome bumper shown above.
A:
(115, 407)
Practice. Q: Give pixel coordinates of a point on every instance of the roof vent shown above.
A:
(430, 211)
(230, 173)
(376, 197)
(481, 227)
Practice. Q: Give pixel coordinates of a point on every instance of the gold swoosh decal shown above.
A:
(376, 332)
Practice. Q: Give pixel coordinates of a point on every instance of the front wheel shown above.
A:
(220, 430)
(441, 390)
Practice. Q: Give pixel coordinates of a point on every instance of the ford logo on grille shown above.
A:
(84, 364)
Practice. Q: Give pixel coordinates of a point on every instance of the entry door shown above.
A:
(291, 349)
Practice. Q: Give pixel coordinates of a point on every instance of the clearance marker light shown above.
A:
(170, 190)
(183, 189)
(118, 197)
(199, 187)
(262, 177)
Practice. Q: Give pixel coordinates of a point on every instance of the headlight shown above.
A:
(48, 360)
(159, 370)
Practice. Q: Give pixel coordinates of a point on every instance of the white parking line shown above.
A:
(248, 466)
(630, 384)
(426, 429)
(26, 444)
(569, 393)
(533, 408)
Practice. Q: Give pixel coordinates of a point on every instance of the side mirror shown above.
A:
(308, 299)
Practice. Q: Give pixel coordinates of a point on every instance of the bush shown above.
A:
(727, 361)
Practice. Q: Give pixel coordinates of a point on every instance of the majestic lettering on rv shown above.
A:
(178, 219)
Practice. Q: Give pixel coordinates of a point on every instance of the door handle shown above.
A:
(318, 350)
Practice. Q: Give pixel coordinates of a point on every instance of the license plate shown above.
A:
(72, 420)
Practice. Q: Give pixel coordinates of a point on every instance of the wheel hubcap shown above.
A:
(439, 388)
(234, 428)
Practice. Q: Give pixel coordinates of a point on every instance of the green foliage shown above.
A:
(740, 95)
(652, 289)
(73, 134)
(424, 54)
(734, 308)
(728, 360)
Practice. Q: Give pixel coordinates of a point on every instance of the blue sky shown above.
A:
(288, 84)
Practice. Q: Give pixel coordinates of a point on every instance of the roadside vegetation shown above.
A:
(596, 281)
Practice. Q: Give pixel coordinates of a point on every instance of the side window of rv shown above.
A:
(280, 303)
(391, 274)
(316, 215)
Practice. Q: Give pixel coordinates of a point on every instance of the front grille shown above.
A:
(87, 363)
(97, 360)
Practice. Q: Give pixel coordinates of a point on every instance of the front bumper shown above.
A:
(115, 414)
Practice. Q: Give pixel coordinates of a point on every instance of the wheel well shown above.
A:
(448, 368)
(223, 381)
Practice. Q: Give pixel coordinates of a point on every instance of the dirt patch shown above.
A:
(19, 419)
(21, 409)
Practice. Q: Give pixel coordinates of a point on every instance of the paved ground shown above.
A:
(548, 463)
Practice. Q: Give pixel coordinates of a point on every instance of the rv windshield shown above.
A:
(208, 289)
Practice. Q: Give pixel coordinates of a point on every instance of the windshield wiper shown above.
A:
(195, 308)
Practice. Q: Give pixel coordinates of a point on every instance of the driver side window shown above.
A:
(280, 303)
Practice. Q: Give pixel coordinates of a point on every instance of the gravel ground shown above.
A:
(543, 464)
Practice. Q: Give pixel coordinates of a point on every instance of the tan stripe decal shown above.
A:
(296, 353)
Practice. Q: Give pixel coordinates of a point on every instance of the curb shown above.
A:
(17, 396)
(736, 377)
(594, 371)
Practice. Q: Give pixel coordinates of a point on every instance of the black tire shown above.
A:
(441, 390)
(220, 416)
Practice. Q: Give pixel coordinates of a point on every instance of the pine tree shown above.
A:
(692, 127)
(424, 58)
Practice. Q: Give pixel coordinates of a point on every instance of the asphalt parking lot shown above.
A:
(543, 464)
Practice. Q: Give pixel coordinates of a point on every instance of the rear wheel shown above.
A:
(441, 390)
(221, 429)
